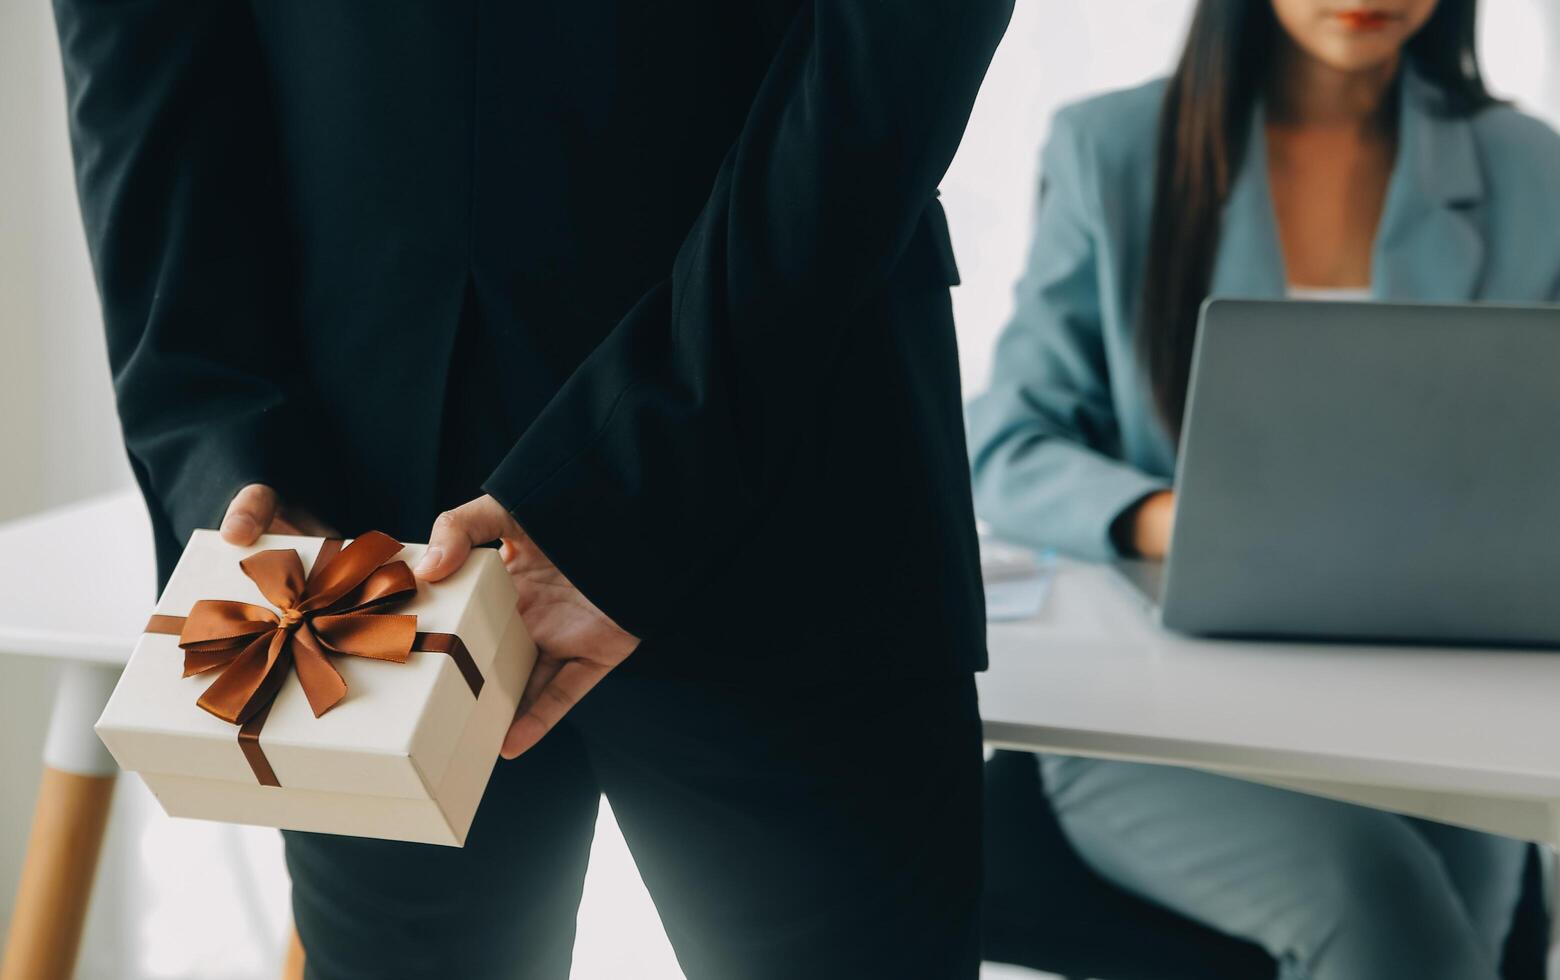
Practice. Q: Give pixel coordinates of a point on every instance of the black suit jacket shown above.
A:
(684, 262)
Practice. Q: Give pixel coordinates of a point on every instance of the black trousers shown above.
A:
(784, 829)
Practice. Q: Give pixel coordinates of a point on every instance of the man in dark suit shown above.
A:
(657, 295)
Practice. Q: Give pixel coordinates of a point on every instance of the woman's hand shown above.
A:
(1149, 525)
(576, 643)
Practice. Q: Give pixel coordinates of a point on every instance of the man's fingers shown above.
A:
(249, 515)
(516, 552)
(257, 510)
(308, 524)
(541, 675)
(281, 525)
(572, 682)
(297, 522)
(457, 531)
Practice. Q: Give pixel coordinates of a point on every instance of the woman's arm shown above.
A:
(1044, 436)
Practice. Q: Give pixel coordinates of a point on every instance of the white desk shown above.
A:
(1465, 736)
(1469, 737)
(76, 585)
(77, 582)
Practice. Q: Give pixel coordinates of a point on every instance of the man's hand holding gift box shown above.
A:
(577, 644)
(314, 684)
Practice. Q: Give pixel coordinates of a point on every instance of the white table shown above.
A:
(76, 585)
(1464, 736)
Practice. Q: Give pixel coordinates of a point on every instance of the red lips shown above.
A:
(1364, 20)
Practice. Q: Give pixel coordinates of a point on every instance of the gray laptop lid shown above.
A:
(1370, 471)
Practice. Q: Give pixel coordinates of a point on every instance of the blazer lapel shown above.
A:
(1250, 263)
(1430, 246)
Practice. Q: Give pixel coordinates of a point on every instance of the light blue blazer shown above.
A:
(1066, 438)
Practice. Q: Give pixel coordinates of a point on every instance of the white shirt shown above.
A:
(1347, 294)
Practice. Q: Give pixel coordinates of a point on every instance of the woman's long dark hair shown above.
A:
(1203, 128)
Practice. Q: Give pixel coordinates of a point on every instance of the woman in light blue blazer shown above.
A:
(1311, 148)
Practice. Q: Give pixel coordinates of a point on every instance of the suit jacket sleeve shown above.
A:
(1044, 438)
(643, 474)
(178, 188)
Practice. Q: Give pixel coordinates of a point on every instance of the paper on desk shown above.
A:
(1017, 580)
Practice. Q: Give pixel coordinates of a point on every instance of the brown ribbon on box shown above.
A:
(338, 609)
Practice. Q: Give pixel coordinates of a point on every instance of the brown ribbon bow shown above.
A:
(337, 609)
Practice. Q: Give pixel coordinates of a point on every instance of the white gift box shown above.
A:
(405, 755)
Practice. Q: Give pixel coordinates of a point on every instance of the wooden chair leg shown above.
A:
(57, 873)
(292, 964)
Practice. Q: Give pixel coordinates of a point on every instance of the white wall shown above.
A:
(59, 432)
(59, 442)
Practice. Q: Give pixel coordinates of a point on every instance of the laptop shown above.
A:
(1368, 472)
